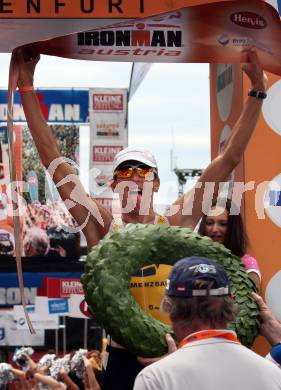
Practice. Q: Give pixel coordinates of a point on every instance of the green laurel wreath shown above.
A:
(111, 263)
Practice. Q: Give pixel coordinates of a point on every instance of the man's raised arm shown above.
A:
(93, 219)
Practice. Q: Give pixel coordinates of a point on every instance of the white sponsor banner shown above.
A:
(10, 335)
(51, 306)
(78, 307)
(104, 127)
(108, 114)
(38, 321)
(108, 136)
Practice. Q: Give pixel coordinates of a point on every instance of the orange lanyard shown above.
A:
(207, 334)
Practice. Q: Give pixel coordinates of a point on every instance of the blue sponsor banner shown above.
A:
(58, 306)
(34, 284)
(59, 106)
(30, 309)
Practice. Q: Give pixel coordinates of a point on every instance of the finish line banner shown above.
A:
(59, 106)
(216, 33)
(84, 9)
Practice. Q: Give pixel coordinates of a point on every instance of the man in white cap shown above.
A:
(135, 177)
(209, 356)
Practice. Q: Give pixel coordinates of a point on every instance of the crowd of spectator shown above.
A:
(47, 230)
(77, 370)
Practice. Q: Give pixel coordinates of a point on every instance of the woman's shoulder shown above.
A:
(246, 257)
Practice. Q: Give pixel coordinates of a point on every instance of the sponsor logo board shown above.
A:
(104, 129)
(78, 307)
(38, 321)
(58, 106)
(63, 288)
(105, 153)
(58, 306)
(108, 102)
(248, 20)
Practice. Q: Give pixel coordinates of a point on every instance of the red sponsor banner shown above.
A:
(63, 288)
(108, 102)
(105, 153)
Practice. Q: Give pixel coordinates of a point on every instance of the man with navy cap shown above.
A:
(209, 356)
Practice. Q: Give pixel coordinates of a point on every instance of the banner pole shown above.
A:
(56, 341)
(64, 334)
(85, 333)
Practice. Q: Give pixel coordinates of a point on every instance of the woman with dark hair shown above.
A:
(223, 223)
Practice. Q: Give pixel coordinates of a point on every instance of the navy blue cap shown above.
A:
(186, 271)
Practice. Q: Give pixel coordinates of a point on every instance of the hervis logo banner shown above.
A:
(216, 32)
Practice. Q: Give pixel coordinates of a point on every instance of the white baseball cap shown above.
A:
(134, 153)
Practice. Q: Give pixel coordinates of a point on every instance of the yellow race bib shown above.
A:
(148, 288)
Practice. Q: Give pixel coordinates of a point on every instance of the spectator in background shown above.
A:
(90, 380)
(36, 242)
(19, 382)
(50, 222)
(3, 204)
(223, 223)
(7, 243)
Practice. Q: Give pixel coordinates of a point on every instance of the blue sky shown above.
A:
(170, 108)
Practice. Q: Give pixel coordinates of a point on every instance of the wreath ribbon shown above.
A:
(13, 75)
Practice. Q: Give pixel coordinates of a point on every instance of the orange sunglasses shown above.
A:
(127, 172)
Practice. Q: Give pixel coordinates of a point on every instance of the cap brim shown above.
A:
(132, 156)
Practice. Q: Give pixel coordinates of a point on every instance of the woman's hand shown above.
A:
(254, 71)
